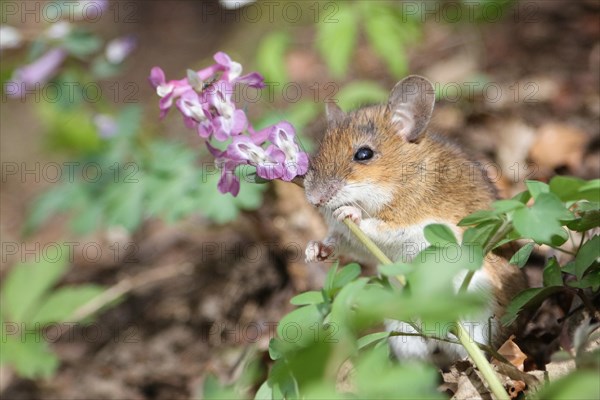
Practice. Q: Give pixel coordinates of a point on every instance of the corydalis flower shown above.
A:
(118, 49)
(38, 72)
(204, 98)
(296, 161)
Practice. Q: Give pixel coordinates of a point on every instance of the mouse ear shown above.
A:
(410, 106)
(335, 115)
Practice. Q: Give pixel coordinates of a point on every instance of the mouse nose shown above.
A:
(320, 196)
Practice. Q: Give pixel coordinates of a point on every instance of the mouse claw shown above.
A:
(348, 212)
(318, 251)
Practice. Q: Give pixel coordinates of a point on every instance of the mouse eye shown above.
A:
(363, 154)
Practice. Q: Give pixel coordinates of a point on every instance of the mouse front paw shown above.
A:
(318, 251)
(351, 212)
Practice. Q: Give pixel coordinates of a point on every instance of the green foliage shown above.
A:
(29, 303)
(131, 179)
(336, 39)
(343, 320)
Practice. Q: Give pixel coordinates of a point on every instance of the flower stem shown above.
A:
(372, 247)
(463, 336)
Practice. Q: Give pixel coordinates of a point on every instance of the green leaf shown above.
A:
(61, 303)
(522, 197)
(587, 255)
(552, 273)
(478, 217)
(439, 235)
(385, 34)
(81, 44)
(372, 338)
(395, 269)
(28, 354)
(270, 56)
(527, 299)
(294, 327)
(26, 284)
(504, 206)
(336, 41)
(588, 217)
(520, 257)
(591, 280)
(213, 390)
(346, 275)
(330, 278)
(264, 392)
(541, 222)
(566, 188)
(311, 297)
(359, 93)
(482, 233)
(579, 384)
(378, 377)
(536, 188)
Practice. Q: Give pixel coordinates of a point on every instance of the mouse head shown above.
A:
(360, 158)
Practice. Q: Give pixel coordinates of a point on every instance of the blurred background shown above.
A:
(125, 273)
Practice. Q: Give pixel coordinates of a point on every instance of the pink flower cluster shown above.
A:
(204, 99)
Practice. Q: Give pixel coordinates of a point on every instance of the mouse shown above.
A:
(384, 169)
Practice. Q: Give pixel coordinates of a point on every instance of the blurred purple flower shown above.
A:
(87, 9)
(106, 124)
(38, 72)
(118, 49)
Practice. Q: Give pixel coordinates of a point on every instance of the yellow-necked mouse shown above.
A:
(382, 168)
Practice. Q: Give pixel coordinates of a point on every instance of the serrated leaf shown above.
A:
(439, 235)
(336, 41)
(60, 304)
(520, 257)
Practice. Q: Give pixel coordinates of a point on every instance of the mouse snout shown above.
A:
(320, 195)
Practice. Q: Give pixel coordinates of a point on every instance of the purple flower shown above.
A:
(118, 49)
(106, 125)
(227, 120)
(268, 162)
(229, 182)
(192, 108)
(167, 91)
(232, 71)
(38, 72)
(296, 161)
